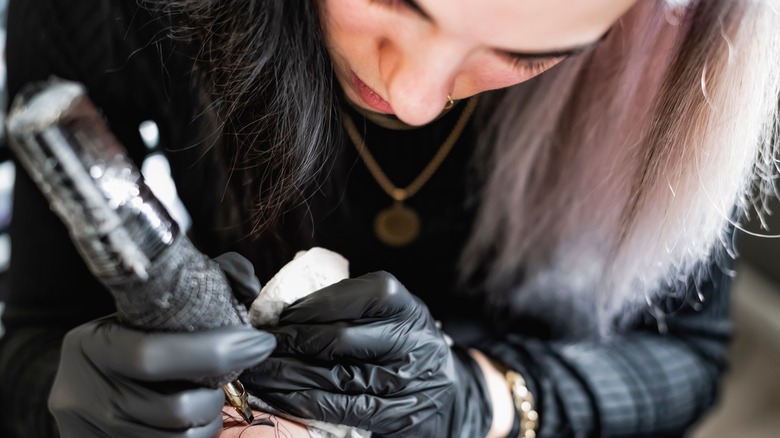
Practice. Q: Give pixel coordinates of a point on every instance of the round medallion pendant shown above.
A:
(398, 225)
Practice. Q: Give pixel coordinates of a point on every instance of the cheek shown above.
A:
(488, 73)
(353, 31)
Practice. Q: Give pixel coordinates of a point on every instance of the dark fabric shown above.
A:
(641, 383)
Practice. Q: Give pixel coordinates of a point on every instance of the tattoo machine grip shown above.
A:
(159, 280)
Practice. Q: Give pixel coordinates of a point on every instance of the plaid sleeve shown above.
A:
(640, 383)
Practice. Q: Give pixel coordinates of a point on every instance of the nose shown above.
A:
(419, 77)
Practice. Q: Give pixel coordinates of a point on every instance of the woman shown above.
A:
(571, 234)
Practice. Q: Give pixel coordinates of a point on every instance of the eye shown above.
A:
(532, 66)
(391, 3)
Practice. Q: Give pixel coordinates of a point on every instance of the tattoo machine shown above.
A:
(159, 280)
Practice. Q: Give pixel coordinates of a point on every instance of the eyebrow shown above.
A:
(562, 53)
(419, 10)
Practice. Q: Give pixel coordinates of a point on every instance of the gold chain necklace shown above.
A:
(399, 225)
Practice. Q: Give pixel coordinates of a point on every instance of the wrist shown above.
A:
(500, 396)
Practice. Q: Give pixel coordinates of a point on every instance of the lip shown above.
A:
(369, 96)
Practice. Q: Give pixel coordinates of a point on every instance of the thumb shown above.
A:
(172, 356)
(241, 274)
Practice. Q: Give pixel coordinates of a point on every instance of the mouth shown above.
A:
(369, 96)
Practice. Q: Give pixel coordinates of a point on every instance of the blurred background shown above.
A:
(749, 405)
(6, 169)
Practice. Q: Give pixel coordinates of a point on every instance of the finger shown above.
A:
(328, 342)
(409, 357)
(385, 416)
(241, 274)
(284, 375)
(171, 356)
(176, 409)
(374, 295)
(288, 374)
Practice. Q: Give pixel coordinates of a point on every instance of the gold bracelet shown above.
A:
(524, 402)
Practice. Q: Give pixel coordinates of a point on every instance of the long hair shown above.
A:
(612, 178)
(606, 179)
(269, 97)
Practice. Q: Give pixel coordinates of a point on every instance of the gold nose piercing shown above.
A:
(450, 102)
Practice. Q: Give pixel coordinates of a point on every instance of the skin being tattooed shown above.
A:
(264, 426)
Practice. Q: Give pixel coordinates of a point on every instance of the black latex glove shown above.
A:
(114, 381)
(366, 353)
(118, 382)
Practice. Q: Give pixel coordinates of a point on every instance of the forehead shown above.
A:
(534, 25)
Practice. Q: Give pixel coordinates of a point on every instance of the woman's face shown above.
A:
(404, 57)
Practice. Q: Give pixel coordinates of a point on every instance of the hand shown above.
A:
(118, 382)
(367, 353)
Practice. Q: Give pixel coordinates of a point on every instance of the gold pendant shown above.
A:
(398, 225)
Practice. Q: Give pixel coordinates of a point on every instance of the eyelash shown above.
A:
(530, 66)
(391, 3)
